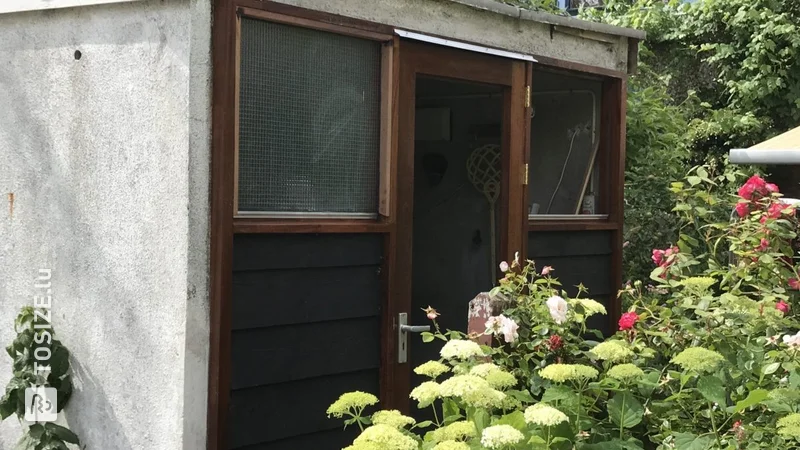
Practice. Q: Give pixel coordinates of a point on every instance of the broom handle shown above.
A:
(493, 245)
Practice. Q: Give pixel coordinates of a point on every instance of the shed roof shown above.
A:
(552, 19)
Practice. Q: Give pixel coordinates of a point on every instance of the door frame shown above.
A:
(444, 62)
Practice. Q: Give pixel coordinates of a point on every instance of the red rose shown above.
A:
(627, 320)
(755, 186)
(742, 209)
(555, 342)
(772, 188)
(763, 246)
(782, 306)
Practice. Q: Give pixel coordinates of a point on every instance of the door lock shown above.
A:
(403, 328)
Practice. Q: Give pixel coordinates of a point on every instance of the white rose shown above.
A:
(509, 330)
(558, 309)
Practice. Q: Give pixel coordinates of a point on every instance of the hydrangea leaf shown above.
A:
(689, 441)
(712, 389)
(625, 410)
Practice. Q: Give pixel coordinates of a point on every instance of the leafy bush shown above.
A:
(706, 356)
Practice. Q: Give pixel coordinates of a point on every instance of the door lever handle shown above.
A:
(403, 328)
(414, 328)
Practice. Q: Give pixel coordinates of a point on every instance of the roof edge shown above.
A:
(552, 19)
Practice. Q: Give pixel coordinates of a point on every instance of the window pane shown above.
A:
(309, 120)
(564, 145)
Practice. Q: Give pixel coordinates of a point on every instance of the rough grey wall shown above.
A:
(495, 28)
(107, 157)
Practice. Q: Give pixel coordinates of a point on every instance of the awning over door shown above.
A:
(782, 149)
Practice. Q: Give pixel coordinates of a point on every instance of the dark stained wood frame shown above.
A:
(223, 225)
(611, 158)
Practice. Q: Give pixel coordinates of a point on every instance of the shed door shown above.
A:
(463, 143)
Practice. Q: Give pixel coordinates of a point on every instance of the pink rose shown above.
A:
(628, 320)
(742, 209)
(546, 270)
(794, 283)
(782, 306)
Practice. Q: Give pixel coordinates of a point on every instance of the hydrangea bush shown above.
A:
(705, 355)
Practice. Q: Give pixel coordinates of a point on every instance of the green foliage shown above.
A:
(39, 436)
(713, 75)
(707, 356)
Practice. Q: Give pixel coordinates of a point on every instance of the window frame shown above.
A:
(258, 221)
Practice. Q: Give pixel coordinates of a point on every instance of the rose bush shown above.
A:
(705, 357)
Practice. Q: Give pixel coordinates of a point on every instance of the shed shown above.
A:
(238, 217)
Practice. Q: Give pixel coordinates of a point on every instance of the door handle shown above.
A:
(403, 328)
(414, 328)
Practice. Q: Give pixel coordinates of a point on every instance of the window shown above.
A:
(309, 125)
(565, 142)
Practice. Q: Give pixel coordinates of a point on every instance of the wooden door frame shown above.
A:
(438, 61)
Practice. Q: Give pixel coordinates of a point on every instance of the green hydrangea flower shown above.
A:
(784, 395)
(625, 372)
(612, 351)
(544, 415)
(499, 436)
(474, 391)
(388, 438)
(351, 402)
(501, 379)
(431, 369)
(568, 372)
(426, 393)
(591, 307)
(698, 359)
(461, 349)
(698, 285)
(393, 418)
(456, 431)
(451, 445)
(789, 426)
(497, 377)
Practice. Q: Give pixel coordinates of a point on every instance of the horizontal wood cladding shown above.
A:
(335, 439)
(317, 294)
(279, 354)
(305, 329)
(569, 243)
(293, 410)
(285, 251)
(577, 257)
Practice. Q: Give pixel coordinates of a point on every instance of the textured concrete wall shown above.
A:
(495, 26)
(107, 157)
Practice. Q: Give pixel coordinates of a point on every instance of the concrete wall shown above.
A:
(107, 158)
(487, 22)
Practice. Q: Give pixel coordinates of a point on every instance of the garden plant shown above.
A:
(705, 356)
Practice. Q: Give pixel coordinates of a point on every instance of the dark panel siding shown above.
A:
(569, 243)
(335, 439)
(577, 257)
(290, 410)
(306, 328)
(291, 251)
(278, 354)
(313, 295)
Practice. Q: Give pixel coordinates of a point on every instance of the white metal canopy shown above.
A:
(782, 149)
(463, 45)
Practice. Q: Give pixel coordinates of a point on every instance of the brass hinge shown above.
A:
(527, 96)
(525, 175)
